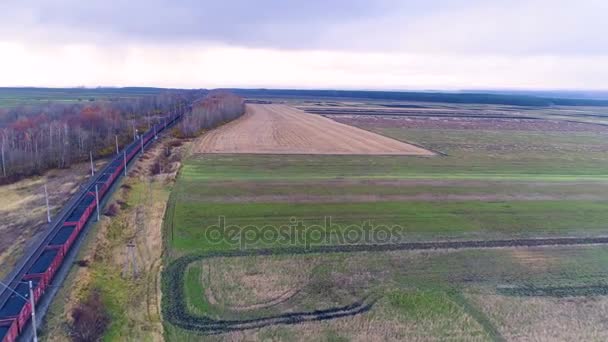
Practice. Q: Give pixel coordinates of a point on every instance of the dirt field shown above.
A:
(279, 129)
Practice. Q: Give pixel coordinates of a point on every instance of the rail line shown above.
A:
(47, 255)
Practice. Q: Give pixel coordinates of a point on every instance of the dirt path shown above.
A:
(279, 129)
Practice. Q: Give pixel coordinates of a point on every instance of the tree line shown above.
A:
(35, 138)
(215, 108)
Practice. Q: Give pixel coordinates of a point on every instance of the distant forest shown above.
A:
(58, 131)
(43, 128)
(461, 98)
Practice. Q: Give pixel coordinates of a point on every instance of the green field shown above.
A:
(489, 185)
(12, 97)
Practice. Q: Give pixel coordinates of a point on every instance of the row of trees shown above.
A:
(36, 138)
(211, 111)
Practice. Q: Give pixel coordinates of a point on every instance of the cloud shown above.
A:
(529, 27)
(268, 23)
(206, 66)
(370, 44)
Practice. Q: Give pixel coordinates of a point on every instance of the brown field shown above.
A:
(279, 129)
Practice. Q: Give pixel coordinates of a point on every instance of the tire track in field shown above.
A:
(174, 307)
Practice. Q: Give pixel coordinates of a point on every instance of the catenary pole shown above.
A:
(92, 167)
(48, 210)
(33, 311)
(97, 200)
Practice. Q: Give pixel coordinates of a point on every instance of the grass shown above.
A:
(416, 220)
(297, 168)
(435, 296)
(194, 289)
(520, 184)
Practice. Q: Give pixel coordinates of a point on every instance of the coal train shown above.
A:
(15, 311)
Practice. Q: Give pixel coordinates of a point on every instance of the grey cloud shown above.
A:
(438, 26)
(263, 23)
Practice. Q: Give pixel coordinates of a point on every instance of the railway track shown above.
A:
(47, 255)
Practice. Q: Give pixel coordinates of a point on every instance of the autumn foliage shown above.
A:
(34, 139)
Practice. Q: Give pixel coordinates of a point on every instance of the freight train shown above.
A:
(15, 310)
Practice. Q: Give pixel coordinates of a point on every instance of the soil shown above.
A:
(279, 129)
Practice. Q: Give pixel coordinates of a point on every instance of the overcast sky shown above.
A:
(351, 44)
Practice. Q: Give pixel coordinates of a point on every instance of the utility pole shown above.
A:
(48, 210)
(97, 200)
(92, 167)
(116, 139)
(124, 158)
(141, 140)
(33, 311)
(155, 136)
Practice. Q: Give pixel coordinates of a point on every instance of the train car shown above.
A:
(79, 216)
(43, 270)
(64, 238)
(116, 167)
(132, 150)
(111, 172)
(149, 136)
(8, 330)
(103, 183)
(18, 307)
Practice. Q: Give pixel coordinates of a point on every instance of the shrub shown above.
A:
(112, 210)
(90, 319)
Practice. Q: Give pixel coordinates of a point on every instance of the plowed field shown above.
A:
(279, 129)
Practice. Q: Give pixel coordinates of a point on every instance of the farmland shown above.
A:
(276, 129)
(492, 178)
(11, 97)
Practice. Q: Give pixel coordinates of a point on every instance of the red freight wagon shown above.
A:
(79, 216)
(116, 172)
(45, 266)
(131, 152)
(64, 238)
(18, 306)
(103, 183)
(112, 171)
(8, 330)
